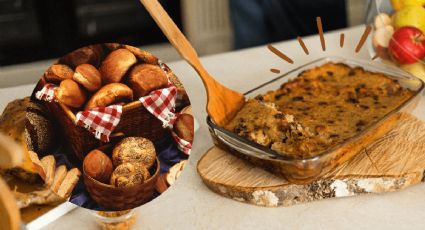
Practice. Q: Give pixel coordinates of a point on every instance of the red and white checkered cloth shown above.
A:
(183, 145)
(47, 93)
(100, 121)
(161, 103)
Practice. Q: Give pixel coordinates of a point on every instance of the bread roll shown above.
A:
(135, 150)
(144, 78)
(92, 54)
(187, 110)
(98, 166)
(113, 46)
(129, 174)
(115, 65)
(142, 55)
(184, 127)
(58, 73)
(113, 93)
(88, 76)
(71, 94)
(180, 90)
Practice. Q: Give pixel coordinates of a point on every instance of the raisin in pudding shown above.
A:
(319, 109)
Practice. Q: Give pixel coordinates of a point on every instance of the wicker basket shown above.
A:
(117, 199)
(135, 121)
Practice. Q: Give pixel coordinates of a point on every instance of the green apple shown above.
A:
(410, 16)
(416, 69)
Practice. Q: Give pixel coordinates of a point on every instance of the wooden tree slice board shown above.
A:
(391, 163)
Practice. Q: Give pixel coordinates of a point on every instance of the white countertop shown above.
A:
(189, 204)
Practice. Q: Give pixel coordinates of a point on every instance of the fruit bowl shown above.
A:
(398, 36)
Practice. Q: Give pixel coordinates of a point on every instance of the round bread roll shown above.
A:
(135, 150)
(115, 65)
(112, 46)
(58, 72)
(98, 166)
(92, 54)
(187, 110)
(70, 93)
(142, 55)
(180, 90)
(110, 94)
(88, 76)
(184, 127)
(144, 78)
(129, 174)
(39, 130)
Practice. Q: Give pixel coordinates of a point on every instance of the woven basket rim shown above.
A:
(126, 107)
(157, 170)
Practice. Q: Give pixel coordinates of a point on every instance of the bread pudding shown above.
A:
(321, 108)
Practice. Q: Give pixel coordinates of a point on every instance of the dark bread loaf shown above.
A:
(39, 130)
(12, 123)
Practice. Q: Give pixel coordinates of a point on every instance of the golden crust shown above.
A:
(58, 72)
(115, 65)
(71, 94)
(88, 76)
(129, 174)
(110, 94)
(145, 78)
(329, 103)
(135, 150)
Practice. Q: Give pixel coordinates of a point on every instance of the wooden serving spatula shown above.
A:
(222, 102)
(11, 155)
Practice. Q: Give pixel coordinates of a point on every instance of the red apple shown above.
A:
(407, 45)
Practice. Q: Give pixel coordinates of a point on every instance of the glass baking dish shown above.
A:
(305, 170)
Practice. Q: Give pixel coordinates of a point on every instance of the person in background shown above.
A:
(257, 22)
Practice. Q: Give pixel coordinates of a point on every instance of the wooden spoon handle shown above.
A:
(222, 103)
(177, 39)
(11, 155)
(10, 218)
